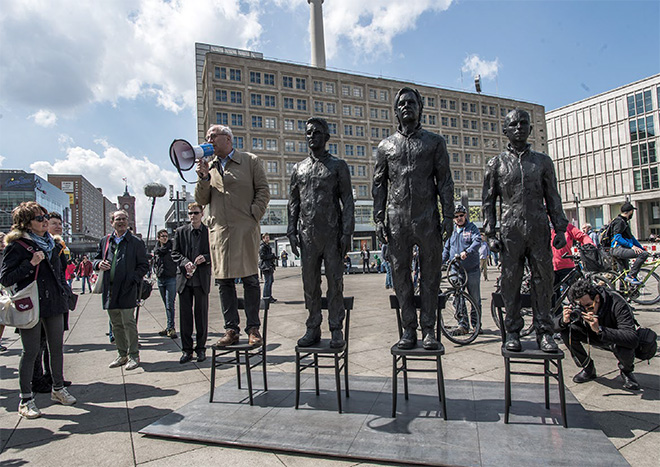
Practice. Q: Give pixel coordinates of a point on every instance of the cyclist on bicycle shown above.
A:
(465, 241)
(625, 246)
(563, 266)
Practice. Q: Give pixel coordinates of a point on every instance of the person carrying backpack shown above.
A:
(625, 246)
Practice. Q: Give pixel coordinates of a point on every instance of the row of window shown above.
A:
(642, 128)
(644, 154)
(640, 103)
(646, 179)
(468, 157)
(470, 175)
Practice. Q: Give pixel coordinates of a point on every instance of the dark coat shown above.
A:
(267, 260)
(17, 269)
(164, 265)
(131, 266)
(182, 254)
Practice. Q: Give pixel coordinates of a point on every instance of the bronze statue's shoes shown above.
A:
(408, 340)
(311, 337)
(430, 342)
(513, 342)
(547, 343)
(337, 340)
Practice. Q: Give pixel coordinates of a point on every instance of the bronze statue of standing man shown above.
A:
(411, 174)
(321, 222)
(525, 183)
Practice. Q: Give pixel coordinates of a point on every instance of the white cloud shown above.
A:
(44, 118)
(107, 168)
(2, 160)
(69, 53)
(475, 65)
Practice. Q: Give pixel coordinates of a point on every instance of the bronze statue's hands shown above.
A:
(381, 232)
(295, 244)
(560, 240)
(447, 228)
(202, 168)
(494, 244)
(345, 244)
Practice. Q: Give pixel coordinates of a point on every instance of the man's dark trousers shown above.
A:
(199, 315)
(574, 335)
(622, 255)
(229, 302)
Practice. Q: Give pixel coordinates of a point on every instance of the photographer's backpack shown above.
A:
(648, 344)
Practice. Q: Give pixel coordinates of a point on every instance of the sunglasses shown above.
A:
(192, 213)
(458, 216)
(42, 218)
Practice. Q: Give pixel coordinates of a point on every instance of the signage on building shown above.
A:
(71, 198)
(17, 182)
(67, 187)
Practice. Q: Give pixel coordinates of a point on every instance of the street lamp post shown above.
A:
(577, 208)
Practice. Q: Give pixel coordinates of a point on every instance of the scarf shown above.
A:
(46, 243)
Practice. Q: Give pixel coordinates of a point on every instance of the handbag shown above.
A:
(98, 285)
(20, 309)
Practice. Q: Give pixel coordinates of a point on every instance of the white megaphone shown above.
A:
(184, 155)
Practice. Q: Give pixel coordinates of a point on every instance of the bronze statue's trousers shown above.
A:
(313, 252)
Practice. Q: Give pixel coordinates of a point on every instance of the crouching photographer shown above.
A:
(603, 319)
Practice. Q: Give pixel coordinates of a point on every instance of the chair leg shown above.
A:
(405, 376)
(338, 383)
(212, 375)
(263, 361)
(562, 393)
(394, 385)
(238, 368)
(248, 372)
(546, 383)
(441, 387)
(507, 389)
(346, 371)
(316, 373)
(297, 379)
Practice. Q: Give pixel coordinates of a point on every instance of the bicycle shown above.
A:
(526, 312)
(454, 316)
(646, 293)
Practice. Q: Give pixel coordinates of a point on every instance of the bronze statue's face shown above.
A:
(407, 109)
(517, 127)
(316, 136)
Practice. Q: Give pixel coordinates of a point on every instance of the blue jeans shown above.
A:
(167, 287)
(89, 283)
(268, 283)
(388, 274)
(474, 289)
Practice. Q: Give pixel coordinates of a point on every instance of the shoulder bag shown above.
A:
(20, 309)
(98, 285)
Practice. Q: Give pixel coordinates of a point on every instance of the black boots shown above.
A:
(588, 373)
(311, 337)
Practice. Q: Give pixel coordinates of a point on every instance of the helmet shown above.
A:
(459, 208)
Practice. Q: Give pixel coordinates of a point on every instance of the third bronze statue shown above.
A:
(411, 174)
(321, 223)
(525, 183)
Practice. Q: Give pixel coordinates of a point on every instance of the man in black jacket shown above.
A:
(267, 263)
(165, 268)
(193, 282)
(602, 318)
(123, 259)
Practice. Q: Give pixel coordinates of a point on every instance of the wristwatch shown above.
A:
(600, 331)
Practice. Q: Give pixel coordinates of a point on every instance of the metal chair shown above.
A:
(530, 355)
(309, 357)
(240, 354)
(418, 353)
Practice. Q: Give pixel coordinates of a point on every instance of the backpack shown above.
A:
(594, 259)
(648, 344)
(605, 237)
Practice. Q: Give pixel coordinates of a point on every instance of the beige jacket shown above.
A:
(236, 202)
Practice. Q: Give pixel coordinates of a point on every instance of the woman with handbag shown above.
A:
(32, 255)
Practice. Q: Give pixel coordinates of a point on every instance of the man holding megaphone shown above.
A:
(235, 189)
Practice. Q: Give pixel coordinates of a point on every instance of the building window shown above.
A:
(475, 141)
(301, 125)
(363, 191)
(473, 108)
(269, 79)
(345, 90)
(357, 91)
(468, 175)
(474, 124)
(236, 119)
(318, 107)
(443, 103)
(220, 95)
(362, 171)
(468, 158)
(271, 167)
(330, 88)
(289, 167)
(348, 130)
(221, 118)
(453, 122)
(332, 148)
(257, 122)
(359, 111)
(234, 74)
(271, 145)
(257, 143)
(318, 86)
(650, 128)
(457, 174)
(288, 124)
(455, 158)
(287, 82)
(384, 114)
(493, 127)
(236, 97)
(270, 122)
(373, 94)
(302, 146)
(351, 170)
(301, 104)
(332, 128)
(466, 141)
(289, 146)
(255, 99)
(454, 140)
(444, 121)
(359, 130)
(238, 142)
(466, 124)
(346, 110)
(269, 101)
(373, 113)
(288, 103)
(384, 96)
(484, 110)
(349, 150)
(331, 108)
(433, 120)
(301, 83)
(220, 73)
(360, 151)
(274, 188)
(385, 132)
(255, 77)
(431, 101)
(374, 133)
(464, 106)
(452, 105)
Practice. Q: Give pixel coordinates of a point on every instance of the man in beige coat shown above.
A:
(235, 189)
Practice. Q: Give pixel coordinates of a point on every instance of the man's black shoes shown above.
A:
(629, 380)
(513, 342)
(201, 355)
(430, 342)
(186, 357)
(408, 340)
(547, 343)
(311, 337)
(337, 341)
(588, 373)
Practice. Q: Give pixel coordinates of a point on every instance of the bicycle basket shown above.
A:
(594, 259)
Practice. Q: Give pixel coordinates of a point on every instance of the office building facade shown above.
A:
(605, 152)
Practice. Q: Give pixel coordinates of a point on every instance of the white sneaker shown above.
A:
(132, 364)
(117, 362)
(29, 410)
(62, 396)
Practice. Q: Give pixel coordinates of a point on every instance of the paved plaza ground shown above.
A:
(113, 404)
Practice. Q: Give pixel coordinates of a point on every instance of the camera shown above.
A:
(576, 313)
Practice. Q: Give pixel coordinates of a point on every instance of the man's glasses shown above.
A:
(42, 218)
(193, 213)
(458, 216)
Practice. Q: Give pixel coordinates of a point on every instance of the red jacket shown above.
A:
(70, 271)
(85, 269)
(573, 234)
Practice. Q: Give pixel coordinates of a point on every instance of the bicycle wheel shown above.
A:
(649, 291)
(601, 280)
(457, 314)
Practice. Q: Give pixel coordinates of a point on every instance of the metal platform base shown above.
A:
(474, 434)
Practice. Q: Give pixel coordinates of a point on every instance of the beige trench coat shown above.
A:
(235, 203)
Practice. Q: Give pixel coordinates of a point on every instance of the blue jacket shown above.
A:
(469, 240)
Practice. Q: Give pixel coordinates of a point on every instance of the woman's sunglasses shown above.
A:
(42, 218)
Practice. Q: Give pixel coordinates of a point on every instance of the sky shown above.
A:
(103, 87)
